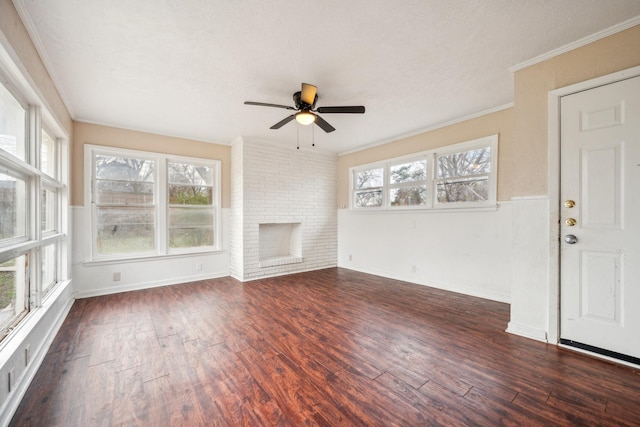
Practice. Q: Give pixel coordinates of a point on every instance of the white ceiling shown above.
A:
(185, 67)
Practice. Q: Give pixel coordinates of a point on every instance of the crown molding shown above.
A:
(625, 25)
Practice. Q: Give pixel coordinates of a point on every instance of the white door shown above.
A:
(600, 173)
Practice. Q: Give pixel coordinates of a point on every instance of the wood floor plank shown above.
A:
(331, 347)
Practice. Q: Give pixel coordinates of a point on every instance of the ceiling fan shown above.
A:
(305, 103)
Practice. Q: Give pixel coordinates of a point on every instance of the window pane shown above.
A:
(124, 192)
(48, 154)
(12, 207)
(13, 292)
(125, 229)
(124, 169)
(408, 172)
(464, 190)
(190, 195)
(48, 267)
(369, 178)
(48, 210)
(190, 216)
(471, 162)
(368, 199)
(408, 196)
(190, 237)
(184, 173)
(12, 124)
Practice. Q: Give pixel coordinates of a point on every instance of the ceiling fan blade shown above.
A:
(308, 95)
(358, 109)
(263, 104)
(324, 125)
(283, 122)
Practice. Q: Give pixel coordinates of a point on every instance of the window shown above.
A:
(368, 188)
(14, 294)
(460, 175)
(191, 208)
(464, 176)
(32, 196)
(12, 125)
(48, 154)
(125, 204)
(408, 183)
(13, 206)
(150, 204)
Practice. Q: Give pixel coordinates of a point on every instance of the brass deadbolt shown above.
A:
(570, 222)
(569, 203)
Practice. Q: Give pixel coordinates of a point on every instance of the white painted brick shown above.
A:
(275, 184)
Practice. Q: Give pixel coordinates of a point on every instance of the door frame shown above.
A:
(553, 326)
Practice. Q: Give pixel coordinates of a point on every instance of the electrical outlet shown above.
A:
(414, 268)
(198, 267)
(10, 379)
(116, 276)
(350, 257)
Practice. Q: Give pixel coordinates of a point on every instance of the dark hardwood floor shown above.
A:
(331, 348)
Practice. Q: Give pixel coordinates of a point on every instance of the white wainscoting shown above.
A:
(92, 279)
(463, 251)
(530, 268)
(500, 255)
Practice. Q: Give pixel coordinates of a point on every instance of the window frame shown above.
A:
(215, 203)
(431, 181)
(121, 153)
(161, 203)
(26, 167)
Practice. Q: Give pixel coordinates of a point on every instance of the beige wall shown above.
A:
(500, 122)
(85, 133)
(29, 60)
(523, 142)
(532, 85)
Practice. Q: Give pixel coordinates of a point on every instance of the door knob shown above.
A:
(570, 239)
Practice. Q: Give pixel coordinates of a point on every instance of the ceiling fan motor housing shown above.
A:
(297, 101)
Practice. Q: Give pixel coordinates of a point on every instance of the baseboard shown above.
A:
(527, 331)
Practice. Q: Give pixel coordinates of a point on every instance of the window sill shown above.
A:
(21, 332)
(109, 261)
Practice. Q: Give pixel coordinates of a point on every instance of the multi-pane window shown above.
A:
(31, 203)
(125, 206)
(147, 204)
(12, 125)
(408, 183)
(49, 267)
(48, 154)
(460, 175)
(191, 207)
(14, 293)
(13, 206)
(368, 185)
(464, 176)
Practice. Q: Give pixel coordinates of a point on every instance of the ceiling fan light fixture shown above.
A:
(305, 117)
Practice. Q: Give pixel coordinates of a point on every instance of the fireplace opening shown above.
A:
(280, 244)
